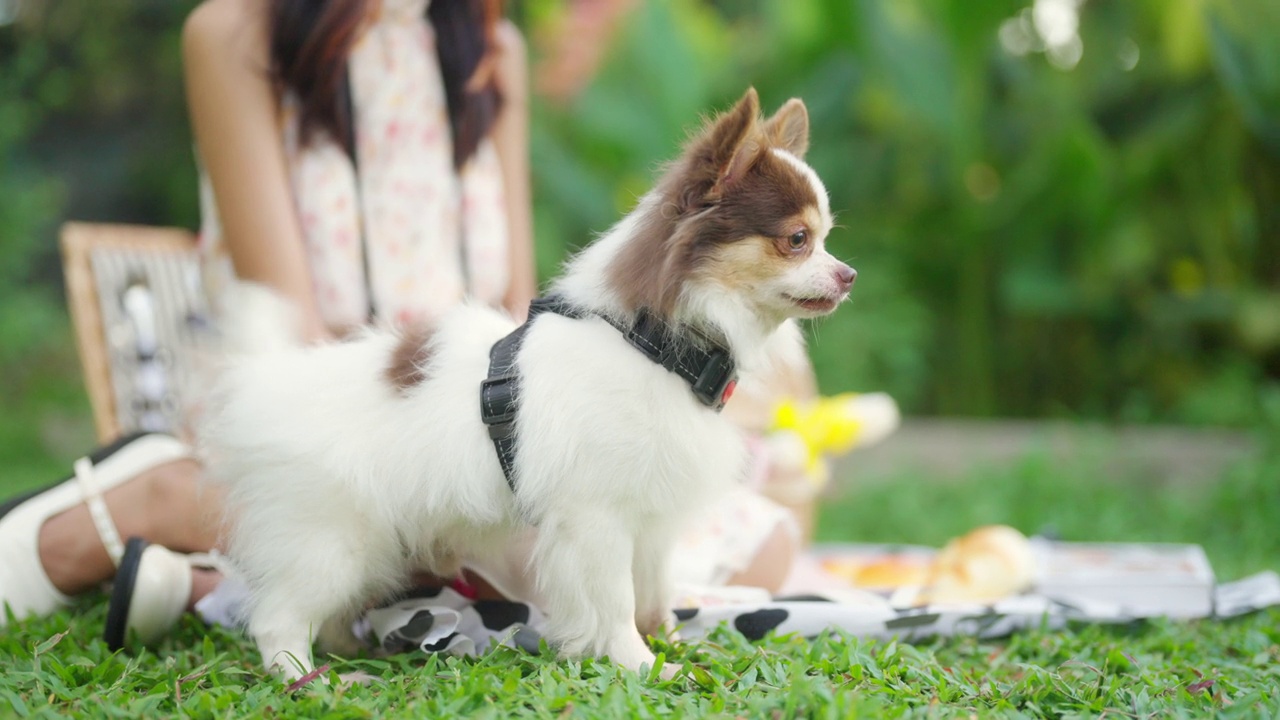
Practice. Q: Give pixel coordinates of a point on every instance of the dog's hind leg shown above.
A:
(322, 582)
(584, 571)
(286, 628)
(284, 639)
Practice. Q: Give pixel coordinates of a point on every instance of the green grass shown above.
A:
(1231, 669)
(1193, 670)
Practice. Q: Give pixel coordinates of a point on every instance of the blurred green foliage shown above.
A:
(1034, 239)
(1086, 230)
(92, 127)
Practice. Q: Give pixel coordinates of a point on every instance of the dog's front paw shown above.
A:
(632, 653)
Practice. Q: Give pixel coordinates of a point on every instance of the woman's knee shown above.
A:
(771, 564)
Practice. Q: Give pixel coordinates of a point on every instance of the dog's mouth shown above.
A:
(820, 305)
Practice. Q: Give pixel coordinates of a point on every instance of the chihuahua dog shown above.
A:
(351, 464)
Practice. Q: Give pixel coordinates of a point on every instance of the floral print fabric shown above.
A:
(430, 235)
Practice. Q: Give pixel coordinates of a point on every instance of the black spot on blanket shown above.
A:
(500, 614)
(683, 614)
(410, 635)
(754, 625)
(442, 644)
(909, 621)
(419, 625)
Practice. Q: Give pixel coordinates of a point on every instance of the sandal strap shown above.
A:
(98, 510)
(212, 560)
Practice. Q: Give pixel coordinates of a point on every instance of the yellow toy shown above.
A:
(803, 435)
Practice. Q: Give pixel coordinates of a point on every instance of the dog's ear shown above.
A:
(721, 154)
(733, 146)
(788, 129)
(735, 149)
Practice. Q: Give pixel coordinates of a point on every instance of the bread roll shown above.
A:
(989, 563)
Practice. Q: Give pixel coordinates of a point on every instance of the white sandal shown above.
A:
(24, 585)
(152, 590)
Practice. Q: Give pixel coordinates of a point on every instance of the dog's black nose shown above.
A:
(845, 276)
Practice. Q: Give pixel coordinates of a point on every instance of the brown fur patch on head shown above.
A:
(727, 186)
(407, 366)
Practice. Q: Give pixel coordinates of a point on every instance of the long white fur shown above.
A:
(340, 485)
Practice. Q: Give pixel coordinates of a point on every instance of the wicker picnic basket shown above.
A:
(140, 319)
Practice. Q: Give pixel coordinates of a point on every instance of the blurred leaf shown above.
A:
(1184, 36)
(1259, 321)
(914, 62)
(1246, 51)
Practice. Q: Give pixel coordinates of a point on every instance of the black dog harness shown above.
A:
(706, 366)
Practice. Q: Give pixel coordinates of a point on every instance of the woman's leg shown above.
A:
(203, 581)
(167, 505)
(772, 562)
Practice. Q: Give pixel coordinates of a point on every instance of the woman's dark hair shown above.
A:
(311, 39)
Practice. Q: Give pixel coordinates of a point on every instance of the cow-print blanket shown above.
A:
(443, 620)
(446, 620)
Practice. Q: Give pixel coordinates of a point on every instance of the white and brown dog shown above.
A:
(350, 465)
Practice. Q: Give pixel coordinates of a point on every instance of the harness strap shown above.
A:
(706, 366)
(498, 398)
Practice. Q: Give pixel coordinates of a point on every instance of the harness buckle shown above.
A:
(713, 385)
(497, 401)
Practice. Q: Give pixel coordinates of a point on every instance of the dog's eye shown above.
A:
(798, 240)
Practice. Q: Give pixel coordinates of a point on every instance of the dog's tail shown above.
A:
(254, 319)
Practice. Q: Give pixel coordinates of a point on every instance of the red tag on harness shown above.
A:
(728, 391)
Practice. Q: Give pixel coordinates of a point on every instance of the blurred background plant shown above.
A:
(1059, 208)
